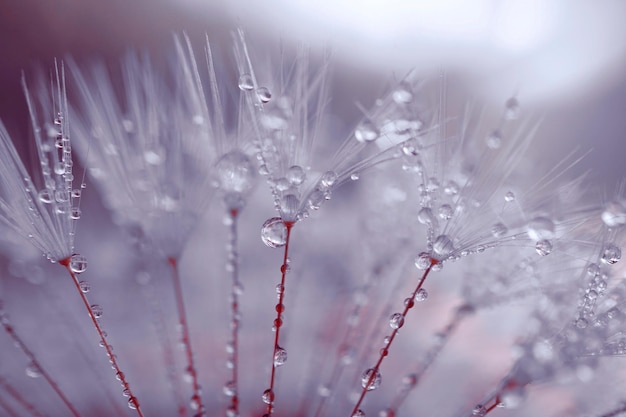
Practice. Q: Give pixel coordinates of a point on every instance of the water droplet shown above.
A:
(45, 196)
(494, 140)
(359, 413)
(366, 132)
(235, 173)
(499, 230)
(543, 247)
(264, 95)
(388, 412)
(512, 109)
(33, 370)
(289, 205)
(423, 261)
(280, 356)
(425, 216)
(323, 390)
(370, 380)
(316, 199)
(611, 255)
(509, 196)
(274, 233)
(614, 214)
(593, 270)
(84, 286)
(479, 411)
(581, 323)
(296, 175)
(396, 321)
(451, 188)
(133, 404)
(443, 246)
(75, 213)
(409, 380)
(354, 177)
(402, 95)
(196, 402)
(78, 264)
(327, 180)
(154, 156)
(245, 82)
(96, 310)
(421, 295)
(446, 211)
(268, 396)
(280, 288)
(540, 228)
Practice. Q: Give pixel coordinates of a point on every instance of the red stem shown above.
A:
(278, 322)
(182, 318)
(31, 356)
(132, 400)
(385, 349)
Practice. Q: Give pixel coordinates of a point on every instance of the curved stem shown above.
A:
(385, 349)
(278, 322)
(196, 399)
(133, 402)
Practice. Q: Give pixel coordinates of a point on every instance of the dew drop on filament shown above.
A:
(78, 264)
(245, 82)
(543, 247)
(369, 380)
(396, 321)
(280, 357)
(274, 233)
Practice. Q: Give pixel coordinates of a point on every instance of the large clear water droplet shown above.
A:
(295, 175)
(371, 379)
(359, 413)
(78, 264)
(268, 396)
(443, 246)
(45, 196)
(289, 205)
(543, 247)
(611, 254)
(84, 286)
(327, 180)
(234, 172)
(264, 95)
(479, 411)
(499, 230)
(96, 310)
(245, 82)
(274, 232)
(396, 321)
(280, 356)
(423, 261)
(366, 132)
(421, 295)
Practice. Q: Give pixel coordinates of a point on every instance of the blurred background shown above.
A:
(563, 60)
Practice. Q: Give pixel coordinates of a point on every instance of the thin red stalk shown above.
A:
(10, 412)
(31, 356)
(278, 322)
(19, 399)
(385, 349)
(196, 398)
(234, 355)
(133, 402)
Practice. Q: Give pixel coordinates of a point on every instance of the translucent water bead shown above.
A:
(366, 132)
(443, 246)
(359, 413)
(423, 261)
(614, 214)
(78, 264)
(370, 380)
(540, 228)
(611, 254)
(280, 357)
(235, 172)
(264, 95)
(396, 321)
(274, 232)
(33, 370)
(268, 396)
(479, 410)
(245, 82)
(543, 247)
